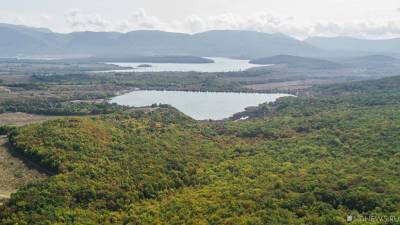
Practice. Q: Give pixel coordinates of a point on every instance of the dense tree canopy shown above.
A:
(308, 160)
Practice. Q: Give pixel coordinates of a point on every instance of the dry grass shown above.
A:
(288, 85)
(20, 119)
(14, 172)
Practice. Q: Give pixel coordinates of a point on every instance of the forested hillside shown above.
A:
(27, 41)
(298, 62)
(305, 160)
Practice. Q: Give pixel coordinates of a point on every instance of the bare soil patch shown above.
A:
(14, 172)
(20, 119)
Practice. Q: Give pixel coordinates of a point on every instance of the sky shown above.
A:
(358, 18)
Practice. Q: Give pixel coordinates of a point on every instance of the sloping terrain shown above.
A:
(19, 119)
(355, 44)
(14, 173)
(298, 62)
(306, 160)
(17, 40)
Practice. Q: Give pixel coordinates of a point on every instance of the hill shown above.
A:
(377, 58)
(25, 41)
(248, 44)
(389, 84)
(298, 62)
(374, 61)
(313, 160)
(18, 40)
(355, 44)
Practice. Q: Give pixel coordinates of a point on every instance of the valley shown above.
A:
(306, 160)
(229, 127)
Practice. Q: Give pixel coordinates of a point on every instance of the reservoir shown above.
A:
(198, 105)
(219, 65)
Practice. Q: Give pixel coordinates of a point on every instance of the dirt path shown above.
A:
(14, 172)
(4, 195)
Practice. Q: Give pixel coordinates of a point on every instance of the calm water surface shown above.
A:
(198, 105)
(219, 65)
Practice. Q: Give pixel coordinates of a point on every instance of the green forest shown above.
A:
(301, 160)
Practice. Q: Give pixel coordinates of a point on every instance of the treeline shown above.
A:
(48, 107)
(186, 81)
(164, 168)
(5, 130)
(389, 84)
(305, 161)
(375, 93)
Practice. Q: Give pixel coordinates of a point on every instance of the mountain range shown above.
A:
(298, 62)
(350, 44)
(22, 41)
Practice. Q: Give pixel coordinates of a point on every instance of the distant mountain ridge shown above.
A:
(377, 58)
(22, 41)
(298, 62)
(375, 61)
(356, 44)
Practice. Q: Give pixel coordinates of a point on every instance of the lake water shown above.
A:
(219, 65)
(198, 105)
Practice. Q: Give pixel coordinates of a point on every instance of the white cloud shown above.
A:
(11, 18)
(372, 29)
(79, 21)
(72, 12)
(45, 18)
(140, 20)
(191, 24)
(275, 23)
(264, 22)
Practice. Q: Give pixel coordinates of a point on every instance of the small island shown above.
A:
(145, 66)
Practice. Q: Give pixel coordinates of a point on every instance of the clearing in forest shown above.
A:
(14, 172)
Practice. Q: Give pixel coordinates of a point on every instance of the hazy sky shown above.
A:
(299, 18)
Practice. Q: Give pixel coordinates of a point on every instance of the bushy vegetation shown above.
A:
(299, 62)
(389, 84)
(5, 130)
(56, 107)
(309, 161)
(177, 81)
(353, 95)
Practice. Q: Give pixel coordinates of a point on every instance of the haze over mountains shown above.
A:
(26, 41)
(356, 44)
(298, 62)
